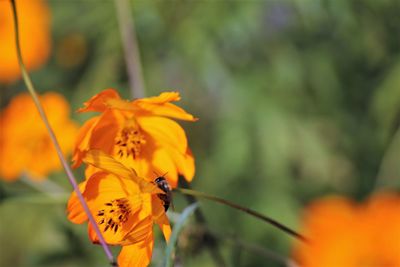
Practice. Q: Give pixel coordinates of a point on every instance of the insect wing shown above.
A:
(149, 187)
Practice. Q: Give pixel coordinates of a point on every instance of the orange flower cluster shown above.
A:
(125, 205)
(124, 147)
(138, 133)
(25, 145)
(346, 234)
(34, 30)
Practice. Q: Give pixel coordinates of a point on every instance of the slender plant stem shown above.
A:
(67, 168)
(131, 48)
(250, 247)
(209, 238)
(244, 209)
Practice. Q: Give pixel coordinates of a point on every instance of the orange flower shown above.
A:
(125, 207)
(34, 27)
(346, 234)
(25, 145)
(138, 133)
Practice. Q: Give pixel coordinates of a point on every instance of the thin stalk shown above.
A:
(209, 238)
(67, 168)
(248, 246)
(244, 209)
(131, 48)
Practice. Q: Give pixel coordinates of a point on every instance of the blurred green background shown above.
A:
(297, 99)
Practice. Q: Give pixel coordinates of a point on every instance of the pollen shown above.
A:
(130, 140)
(114, 214)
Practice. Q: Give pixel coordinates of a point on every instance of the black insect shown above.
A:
(162, 183)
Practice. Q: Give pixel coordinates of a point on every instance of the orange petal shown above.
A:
(137, 255)
(24, 142)
(140, 231)
(383, 211)
(34, 33)
(121, 105)
(164, 131)
(157, 206)
(164, 163)
(90, 170)
(164, 225)
(329, 224)
(103, 186)
(184, 163)
(12, 160)
(101, 160)
(164, 97)
(160, 106)
(76, 213)
(103, 134)
(144, 222)
(142, 164)
(98, 133)
(170, 136)
(125, 230)
(160, 216)
(82, 140)
(187, 168)
(99, 101)
(55, 106)
(43, 157)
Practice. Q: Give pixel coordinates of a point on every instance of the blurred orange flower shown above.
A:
(34, 27)
(125, 207)
(139, 133)
(346, 234)
(25, 145)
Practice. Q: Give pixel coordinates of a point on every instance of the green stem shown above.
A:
(67, 168)
(244, 209)
(209, 238)
(252, 248)
(131, 48)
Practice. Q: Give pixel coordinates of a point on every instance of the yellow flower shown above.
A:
(138, 133)
(25, 145)
(346, 234)
(125, 205)
(34, 27)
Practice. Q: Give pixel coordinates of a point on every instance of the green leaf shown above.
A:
(168, 261)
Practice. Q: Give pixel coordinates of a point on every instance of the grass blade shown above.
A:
(168, 261)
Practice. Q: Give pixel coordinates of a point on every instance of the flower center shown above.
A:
(114, 214)
(129, 140)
